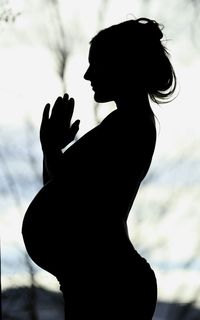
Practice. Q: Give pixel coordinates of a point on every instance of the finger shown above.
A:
(63, 109)
(46, 111)
(66, 96)
(45, 115)
(56, 107)
(69, 109)
(44, 123)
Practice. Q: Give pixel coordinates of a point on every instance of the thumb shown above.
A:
(72, 132)
(74, 128)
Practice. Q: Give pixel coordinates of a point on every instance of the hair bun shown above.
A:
(152, 27)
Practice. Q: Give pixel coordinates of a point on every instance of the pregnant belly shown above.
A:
(64, 227)
(43, 226)
(57, 227)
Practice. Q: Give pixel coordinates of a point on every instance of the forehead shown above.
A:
(95, 52)
(100, 53)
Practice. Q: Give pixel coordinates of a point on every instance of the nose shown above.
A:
(87, 74)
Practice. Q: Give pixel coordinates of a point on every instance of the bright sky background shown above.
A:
(28, 80)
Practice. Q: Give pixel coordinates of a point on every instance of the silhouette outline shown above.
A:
(76, 226)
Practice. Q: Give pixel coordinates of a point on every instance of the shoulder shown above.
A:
(133, 126)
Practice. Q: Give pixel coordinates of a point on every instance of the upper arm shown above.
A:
(129, 147)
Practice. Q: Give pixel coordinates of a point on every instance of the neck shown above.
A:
(135, 103)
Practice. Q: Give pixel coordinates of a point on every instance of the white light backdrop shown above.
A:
(164, 222)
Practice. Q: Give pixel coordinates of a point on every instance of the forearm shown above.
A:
(45, 174)
(51, 166)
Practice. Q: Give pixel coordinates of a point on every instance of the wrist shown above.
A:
(51, 163)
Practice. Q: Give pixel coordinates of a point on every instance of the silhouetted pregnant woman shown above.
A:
(76, 226)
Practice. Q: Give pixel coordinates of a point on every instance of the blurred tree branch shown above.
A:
(7, 13)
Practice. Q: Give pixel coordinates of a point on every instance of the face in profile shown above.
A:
(101, 75)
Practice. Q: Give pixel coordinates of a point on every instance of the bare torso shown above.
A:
(88, 203)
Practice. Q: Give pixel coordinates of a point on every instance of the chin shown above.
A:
(100, 98)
